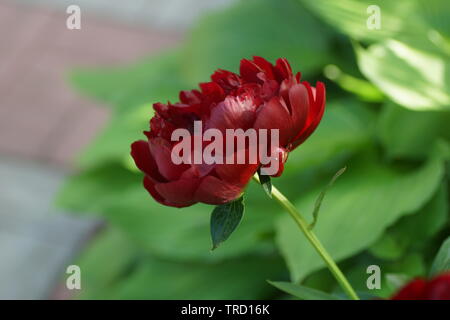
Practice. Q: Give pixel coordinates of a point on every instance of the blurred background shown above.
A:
(72, 101)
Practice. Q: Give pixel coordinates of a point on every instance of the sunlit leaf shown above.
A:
(222, 39)
(441, 262)
(410, 77)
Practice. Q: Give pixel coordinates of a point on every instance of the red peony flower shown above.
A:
(262, 96)
(437, 288)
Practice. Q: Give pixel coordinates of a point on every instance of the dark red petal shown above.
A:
(300, 106)
(161, 152)
(249, 71)
(280, 157)
(275, 115)
(282, 70)
(317, 109)
(234, 112)
(265, 66)
(237, 174)
(438, 288)
(412, 291)
(149, 185)
(226, 79)
(178, 193)
(215, 191)
(212, 91)
(191, 97)
(140, 151)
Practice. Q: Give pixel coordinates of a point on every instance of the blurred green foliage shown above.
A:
(387, 120)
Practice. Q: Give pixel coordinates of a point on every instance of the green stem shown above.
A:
(301, 222)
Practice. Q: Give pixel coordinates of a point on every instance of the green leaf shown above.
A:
(147, 81)
(441, 262)
(131, 90)
(371, 198)
(351, 16)
(424, 225)
(410, 77)
(435, 13)
(346, 127)
(396, 281)
(118, 194)
(224, 220)
(387, 248)
(365, 90)
(355, 269)
(222, 39)
(105, 260)
(411, 134)
(265, 183)
(319, 199)
(113, 143)
(302, 292)
(232, 279)
(113, 267)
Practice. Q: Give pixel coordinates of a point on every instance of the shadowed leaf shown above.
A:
(225, 219)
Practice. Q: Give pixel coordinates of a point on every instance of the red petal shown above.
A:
(149, 185)
(215, 191)
(191, 97)
(161, 151)
(237, 174)
(412, 291)
(282, 70)
(140, 151)
(233, 113)
(212, 90)
(249, 71)
(178, 193)
(265, 66)
(275, 115)
(317, 109)
(299, 102)
(438, 288)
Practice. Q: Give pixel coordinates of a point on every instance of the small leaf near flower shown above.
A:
(441, 262)
(224, 220)
(322, 195)
(265, 182)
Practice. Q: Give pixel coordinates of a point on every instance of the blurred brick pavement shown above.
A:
(41, 116)
(43, 124)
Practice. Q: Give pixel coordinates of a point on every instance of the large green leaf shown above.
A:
(235, 279)
(183, 234)
(411, 77)
(147, 81)
(267, 28)
(406, 267)
(411, 134)
(424, 225)
(114, 142)
(346, 127)
(436, 14)
(357, 210)
(113, 268)
(442, 261)
(398, 18)
(105, 260)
